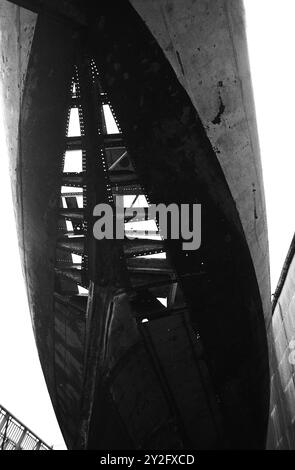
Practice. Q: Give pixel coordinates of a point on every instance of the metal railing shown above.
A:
(16, 436)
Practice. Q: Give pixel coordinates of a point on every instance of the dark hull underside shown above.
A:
(194, 378)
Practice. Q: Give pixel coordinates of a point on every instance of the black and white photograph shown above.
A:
(147, 239)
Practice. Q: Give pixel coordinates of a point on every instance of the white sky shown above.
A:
(271, 40)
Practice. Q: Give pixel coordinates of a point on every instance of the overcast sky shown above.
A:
(271, 39)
